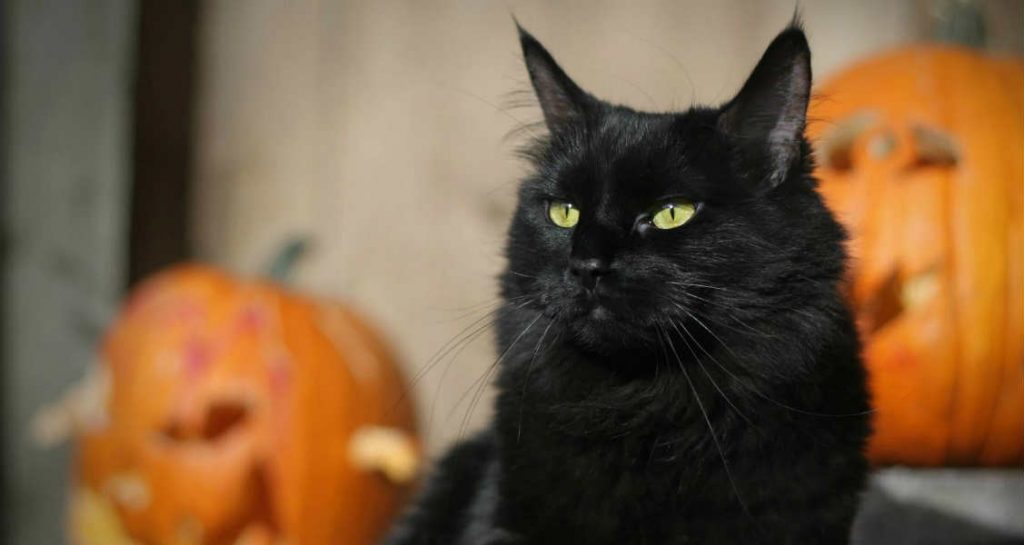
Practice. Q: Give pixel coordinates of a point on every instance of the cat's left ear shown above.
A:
(561, 100)
(766, 119)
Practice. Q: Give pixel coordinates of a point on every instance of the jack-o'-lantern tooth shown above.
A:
(919, 289)
(257, 534)
(129, 490)
(190, 532)
(387, 450)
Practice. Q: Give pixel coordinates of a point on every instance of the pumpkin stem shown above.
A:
(281, 266)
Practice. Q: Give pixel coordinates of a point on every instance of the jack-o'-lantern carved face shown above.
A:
(231, 414)
(921, 155)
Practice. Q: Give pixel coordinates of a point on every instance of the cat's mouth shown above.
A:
(603, 311)
(595, 307)
(603, 322)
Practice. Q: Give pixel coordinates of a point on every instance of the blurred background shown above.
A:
(139, 134)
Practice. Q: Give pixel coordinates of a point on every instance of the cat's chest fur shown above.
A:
(585, 458)
(587, 454)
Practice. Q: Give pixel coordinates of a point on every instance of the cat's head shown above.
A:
(633, 222)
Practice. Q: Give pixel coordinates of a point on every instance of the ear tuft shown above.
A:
(766, 119)
(561, 100)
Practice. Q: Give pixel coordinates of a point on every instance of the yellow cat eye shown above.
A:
(563, 214)
(673, 215)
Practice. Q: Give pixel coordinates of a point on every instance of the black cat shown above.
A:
(677, 363)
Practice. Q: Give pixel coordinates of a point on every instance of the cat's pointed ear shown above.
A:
(561, 100)
(766, 119)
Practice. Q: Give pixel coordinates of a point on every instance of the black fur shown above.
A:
(709, 389)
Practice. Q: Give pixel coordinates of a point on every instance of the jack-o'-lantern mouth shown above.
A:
(258, 524)
(224, 429)
(219, 419)
(866, 145)
(895, 296)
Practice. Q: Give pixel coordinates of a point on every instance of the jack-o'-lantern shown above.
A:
(235, 412)
(921, 154)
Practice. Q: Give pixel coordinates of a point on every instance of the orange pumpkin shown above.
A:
(921, 155)
(236, 412)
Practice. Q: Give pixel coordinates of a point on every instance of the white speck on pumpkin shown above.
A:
(129, 490)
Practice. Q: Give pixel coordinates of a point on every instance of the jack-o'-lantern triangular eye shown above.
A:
(933, 147)
(835, 148)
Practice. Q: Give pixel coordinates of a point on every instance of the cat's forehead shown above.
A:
(623, 132)
(626, 155)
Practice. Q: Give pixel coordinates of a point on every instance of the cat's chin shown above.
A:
(600, 313)
(600, 327)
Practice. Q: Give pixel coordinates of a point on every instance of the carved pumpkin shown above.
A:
(238, 413)
(921, 155)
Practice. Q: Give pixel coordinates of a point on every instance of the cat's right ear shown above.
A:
(561, 100)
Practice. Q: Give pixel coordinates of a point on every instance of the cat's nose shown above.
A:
(589, 271)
